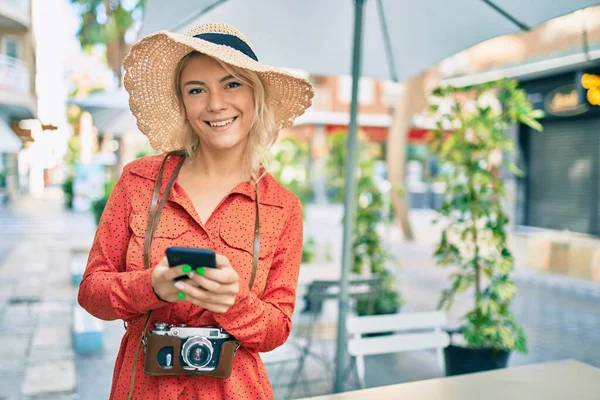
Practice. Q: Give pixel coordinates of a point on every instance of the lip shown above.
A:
(222, 128)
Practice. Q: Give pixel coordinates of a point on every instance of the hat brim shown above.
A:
(150, 69)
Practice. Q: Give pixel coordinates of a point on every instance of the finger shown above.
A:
(177, 271)
(224, 276)
(195, 294)
(164, 262)
(214, 286)
(222, 261)
(218, 307)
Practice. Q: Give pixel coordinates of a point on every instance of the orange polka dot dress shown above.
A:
(116, 285)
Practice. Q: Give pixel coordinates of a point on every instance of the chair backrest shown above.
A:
(358, 288)
(410, 331)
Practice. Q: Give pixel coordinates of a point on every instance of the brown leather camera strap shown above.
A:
(256, 247)
(156, 208)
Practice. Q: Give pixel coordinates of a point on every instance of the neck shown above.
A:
(219, 165)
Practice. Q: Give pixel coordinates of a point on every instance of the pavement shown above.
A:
(560, 315)
(36, 298)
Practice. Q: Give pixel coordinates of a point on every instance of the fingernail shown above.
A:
(179, 285)
(186, 268)
(200, 270)
(191, 275)
(181, 295)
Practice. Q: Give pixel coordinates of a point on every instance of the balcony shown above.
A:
(16, 97)
(15, 14)
(14, 75)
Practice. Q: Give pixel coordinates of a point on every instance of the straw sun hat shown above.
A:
(150, 71)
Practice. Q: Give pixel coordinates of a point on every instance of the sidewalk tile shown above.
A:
(54, 377)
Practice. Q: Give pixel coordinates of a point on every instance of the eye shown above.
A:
(195, 91)
(233, 85)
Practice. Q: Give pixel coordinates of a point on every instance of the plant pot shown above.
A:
(464, 360)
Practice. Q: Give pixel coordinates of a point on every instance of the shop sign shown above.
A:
(564, 101)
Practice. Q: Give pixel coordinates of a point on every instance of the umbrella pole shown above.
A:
(349, 200)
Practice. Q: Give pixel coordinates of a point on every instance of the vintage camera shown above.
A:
(200, 347)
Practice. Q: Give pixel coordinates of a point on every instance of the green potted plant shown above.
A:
(289, 165)
(368, 249)
(71, 158)
(67, 188)
(99, 204)
(469, 142)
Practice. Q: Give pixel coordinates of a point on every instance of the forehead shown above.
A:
(203, 67)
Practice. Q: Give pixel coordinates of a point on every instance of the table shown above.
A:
(562, 380)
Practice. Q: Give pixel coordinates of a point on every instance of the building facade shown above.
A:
(561, 186)
(17, 88)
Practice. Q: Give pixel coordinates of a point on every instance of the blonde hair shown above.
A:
(263, 132)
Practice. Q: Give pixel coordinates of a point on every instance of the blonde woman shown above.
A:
(205, 100)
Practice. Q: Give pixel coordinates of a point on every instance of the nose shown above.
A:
(216, 102)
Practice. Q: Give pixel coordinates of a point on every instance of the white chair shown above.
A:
(411, 332)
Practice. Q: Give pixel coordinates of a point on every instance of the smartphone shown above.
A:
(191, 256)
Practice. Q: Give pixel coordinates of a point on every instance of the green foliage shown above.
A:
(73, 151)
(99, 205)
(336, 163)
(108, 23)
(474, 239)
(100, 26)
(67, 188)
(367, 247)
(309, 250)
(71, 157)
(289, 164)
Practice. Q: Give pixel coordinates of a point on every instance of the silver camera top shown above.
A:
(182, 331)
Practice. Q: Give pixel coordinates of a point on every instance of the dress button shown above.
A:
(204, 236)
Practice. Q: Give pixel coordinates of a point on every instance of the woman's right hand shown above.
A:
(163, 281)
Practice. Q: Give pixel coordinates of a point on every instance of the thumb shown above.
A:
(222, 261)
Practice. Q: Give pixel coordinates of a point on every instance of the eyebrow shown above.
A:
(228, 77)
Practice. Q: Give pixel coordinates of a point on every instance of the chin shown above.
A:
(225, 144)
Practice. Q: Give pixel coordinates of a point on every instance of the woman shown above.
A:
(205, 94)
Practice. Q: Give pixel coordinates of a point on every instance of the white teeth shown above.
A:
(221, 123)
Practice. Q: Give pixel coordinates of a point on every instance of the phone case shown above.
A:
(192, 257)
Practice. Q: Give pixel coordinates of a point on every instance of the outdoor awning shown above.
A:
(9, 142)
(316, 35)
(110, 111)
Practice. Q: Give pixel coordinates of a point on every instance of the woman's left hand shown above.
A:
(217, 287)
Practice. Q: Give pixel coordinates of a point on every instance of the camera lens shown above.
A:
(197, 352)
(198, 355)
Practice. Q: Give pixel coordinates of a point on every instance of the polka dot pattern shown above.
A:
(116, 286)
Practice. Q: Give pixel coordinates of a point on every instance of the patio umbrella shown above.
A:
(402, 38)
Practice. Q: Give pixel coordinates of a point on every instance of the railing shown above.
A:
(14, 74)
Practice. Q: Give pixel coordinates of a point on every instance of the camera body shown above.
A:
(200, 347)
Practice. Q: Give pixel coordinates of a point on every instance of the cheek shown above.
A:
(249, 110)
(192, 108)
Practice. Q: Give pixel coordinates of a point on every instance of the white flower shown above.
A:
(469, 107)
(470, 135)
(488, 99)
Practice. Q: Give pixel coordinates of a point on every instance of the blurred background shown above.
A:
(66, 133)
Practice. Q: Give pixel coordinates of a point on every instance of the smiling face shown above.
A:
(218, 106)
